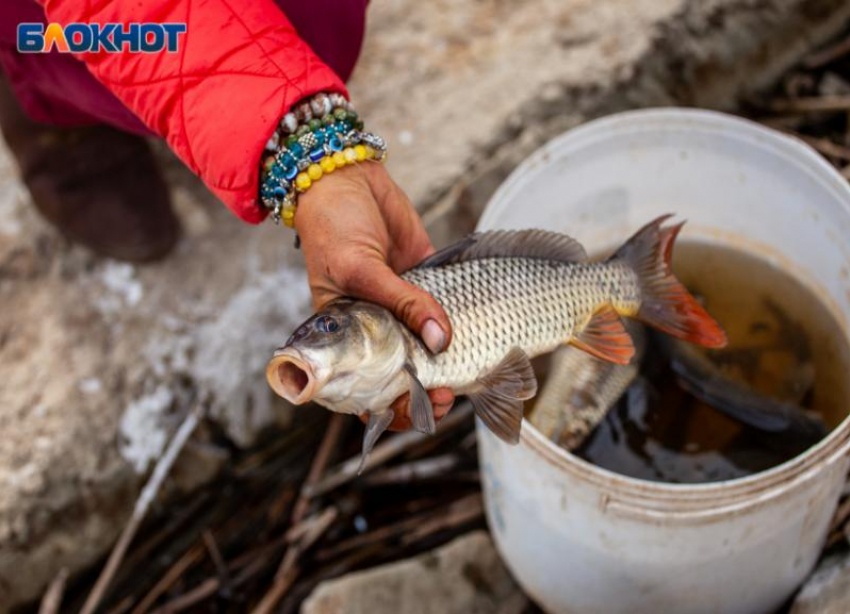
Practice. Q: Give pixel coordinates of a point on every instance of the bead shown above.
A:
(328, 119)
(335, 143)
(350, 155)
(291, 173)
(287, 159)
(303, 163)
(320, 137)
(273, 141)
(279, 192)
(317, 154)
(290, 122)
(308, 141)
(296, 150)
(370, 152)
(327, 164)
(314, 171)
(316, 106)
(351, 116)
(340, 113)
(314, 124)
(268, 163)
(360, 152)
(339, 159)
(278, 171)
(359, 124)
(303, 182)
(302, 130)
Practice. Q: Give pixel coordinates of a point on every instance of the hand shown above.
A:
(358, 231)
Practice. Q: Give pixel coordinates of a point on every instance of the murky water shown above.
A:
(784, 343)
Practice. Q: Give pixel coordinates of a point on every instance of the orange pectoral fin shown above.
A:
(605, 337)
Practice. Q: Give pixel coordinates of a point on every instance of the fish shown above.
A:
(510, 295)
(698, 375)
(580, 389)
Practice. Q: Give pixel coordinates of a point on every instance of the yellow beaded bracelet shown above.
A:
(313, 173)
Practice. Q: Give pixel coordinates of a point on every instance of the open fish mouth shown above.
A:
(291, 377)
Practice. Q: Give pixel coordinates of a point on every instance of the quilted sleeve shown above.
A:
(239, 67)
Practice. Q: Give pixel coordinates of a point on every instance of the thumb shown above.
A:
(422, 314)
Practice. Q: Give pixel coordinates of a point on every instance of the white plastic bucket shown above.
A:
(583, 540)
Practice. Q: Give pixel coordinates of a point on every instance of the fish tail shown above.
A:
(665, 303)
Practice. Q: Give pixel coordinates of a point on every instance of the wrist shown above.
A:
(315, 138)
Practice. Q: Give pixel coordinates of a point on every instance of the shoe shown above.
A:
(98, 186)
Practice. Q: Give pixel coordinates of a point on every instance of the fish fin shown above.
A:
(376, 426)
(537, 244)
(498, 398)
(421, 410)
(605, 337)
(448, 254)
(665, 302)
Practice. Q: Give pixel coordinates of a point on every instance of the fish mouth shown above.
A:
(291, 377)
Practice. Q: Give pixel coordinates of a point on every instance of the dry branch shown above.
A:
(143, 503)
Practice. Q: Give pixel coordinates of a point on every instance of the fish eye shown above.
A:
(327, 324)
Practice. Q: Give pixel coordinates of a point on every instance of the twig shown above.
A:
(414, 471)
(53, 596)
(384, 534)
(827, 147)
(320, 463)
(828, 55)
(192, 556)
(217, 559)
(810, 104)
(288, 570)
(204, 590)
(140, 510)
(460, 512)
(384, 451)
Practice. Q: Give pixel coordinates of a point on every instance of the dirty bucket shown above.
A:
(583, 540)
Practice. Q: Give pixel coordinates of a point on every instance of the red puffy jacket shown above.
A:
(239, 68)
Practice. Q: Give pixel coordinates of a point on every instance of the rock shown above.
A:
(466, 576)
(828, 590)
(100, 359)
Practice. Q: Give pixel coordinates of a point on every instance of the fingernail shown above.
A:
(433, 336)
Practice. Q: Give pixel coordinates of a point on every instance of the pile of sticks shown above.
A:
(284, 517)
(812, 102)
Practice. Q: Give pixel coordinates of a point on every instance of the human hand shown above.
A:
(359, 230)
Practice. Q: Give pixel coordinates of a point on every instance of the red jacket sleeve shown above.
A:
(239, 67)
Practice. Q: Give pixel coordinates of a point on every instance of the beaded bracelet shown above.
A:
(315, 138)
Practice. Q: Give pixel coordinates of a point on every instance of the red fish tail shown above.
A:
(665, 302)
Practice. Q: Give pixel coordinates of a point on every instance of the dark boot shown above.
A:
(98, 186)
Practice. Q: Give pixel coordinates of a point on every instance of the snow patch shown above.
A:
(143, 428)
(124, 289)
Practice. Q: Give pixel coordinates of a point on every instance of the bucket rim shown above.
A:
(697, 497)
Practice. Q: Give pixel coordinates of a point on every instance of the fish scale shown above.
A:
(496, 304)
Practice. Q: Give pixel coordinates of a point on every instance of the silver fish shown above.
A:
(510, 295)
(579, 391)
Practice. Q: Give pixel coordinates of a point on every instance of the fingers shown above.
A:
(377, 282)
(441, 398)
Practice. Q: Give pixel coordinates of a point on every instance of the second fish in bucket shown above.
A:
(511, 296)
